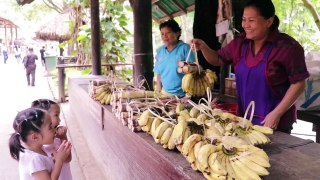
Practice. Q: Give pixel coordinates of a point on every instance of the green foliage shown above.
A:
(297, 21)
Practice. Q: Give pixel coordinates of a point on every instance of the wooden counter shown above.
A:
(123, 154)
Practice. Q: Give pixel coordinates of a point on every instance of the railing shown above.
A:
(62, 75)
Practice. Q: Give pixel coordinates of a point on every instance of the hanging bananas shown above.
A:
(195, 84)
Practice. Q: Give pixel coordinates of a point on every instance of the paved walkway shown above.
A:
(16, 95)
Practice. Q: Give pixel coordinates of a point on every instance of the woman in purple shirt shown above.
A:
(269, 66)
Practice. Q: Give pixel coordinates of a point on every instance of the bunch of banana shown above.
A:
(103, 94)
(245, 162)
(195, 84)
(250, 133)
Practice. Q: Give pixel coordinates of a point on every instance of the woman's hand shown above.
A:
(198, 44)
(271, 120)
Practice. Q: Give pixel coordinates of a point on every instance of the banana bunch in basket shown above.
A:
(195, 84)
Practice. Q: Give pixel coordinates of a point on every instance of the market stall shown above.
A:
(123, 154)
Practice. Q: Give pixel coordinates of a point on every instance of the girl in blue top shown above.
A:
(167, 56)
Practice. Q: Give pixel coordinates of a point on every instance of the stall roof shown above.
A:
(167, 9)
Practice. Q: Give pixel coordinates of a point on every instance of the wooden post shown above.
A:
(95, 37)
(61, 82)
(143, 56)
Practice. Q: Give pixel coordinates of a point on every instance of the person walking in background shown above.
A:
(33, 129)
(5, 55)
(30, 65)
(43, 60)
(17, 53)
(53, 110)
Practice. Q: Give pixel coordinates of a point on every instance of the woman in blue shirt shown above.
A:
(167, 56)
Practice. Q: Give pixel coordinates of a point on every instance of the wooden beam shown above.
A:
(179, 13)
(179, 6)
(164, 11)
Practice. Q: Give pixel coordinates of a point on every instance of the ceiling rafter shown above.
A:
(179, 6)
(164, 10)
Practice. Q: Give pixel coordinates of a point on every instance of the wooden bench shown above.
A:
(62, 75)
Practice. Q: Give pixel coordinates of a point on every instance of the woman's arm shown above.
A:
(294, 91)
(209, 54)
(159, 86)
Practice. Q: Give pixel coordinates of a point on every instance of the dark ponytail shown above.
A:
(30, 119)
(15, 146)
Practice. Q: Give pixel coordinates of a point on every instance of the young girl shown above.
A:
(53, 110)
(33, 129)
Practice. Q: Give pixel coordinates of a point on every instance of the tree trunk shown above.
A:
(143, 56)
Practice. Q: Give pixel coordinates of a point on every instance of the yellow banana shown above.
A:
(254, 157)
(263, 138)
(144, 117)
(215, 165)
(166, 135)
(237, 171)
(259, 170)
(178, 132)
(160, 129)
(247, 170)
(190, 142)
(263, 129)
(194, 112)
(155, 123)
(203, 155)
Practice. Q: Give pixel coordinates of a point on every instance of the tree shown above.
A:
(299, 19)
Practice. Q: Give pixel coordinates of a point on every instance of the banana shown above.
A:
(186, 134)
(191, 156)
(185, 114)
(237, 171)
(263, 129)
(190, 142)
(247, 170)
(147, 127)
(258, 151)
(166, 135)
(254, 157)
(178, 132)
(194, 112)
(229, 167)
(233, 141)
(102, 101)
(263, 138)
(202, 118)
(203, 155)
(215, 165)
(100, 97)
(212, 133)
(144, 117)
(155, 123)
(160, 129)
(259, 170)
(180, 107)
(196, 148)
(107, 101)
(219, 127)
(252, 138)
(213, 176)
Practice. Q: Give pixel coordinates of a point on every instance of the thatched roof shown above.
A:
(56, 29)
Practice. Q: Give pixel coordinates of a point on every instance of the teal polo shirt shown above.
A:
(166, 66)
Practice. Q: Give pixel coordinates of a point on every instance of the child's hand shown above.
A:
(61, 132)
(63, 152)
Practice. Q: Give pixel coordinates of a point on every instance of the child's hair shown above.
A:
(27, 120)
(42, 103)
